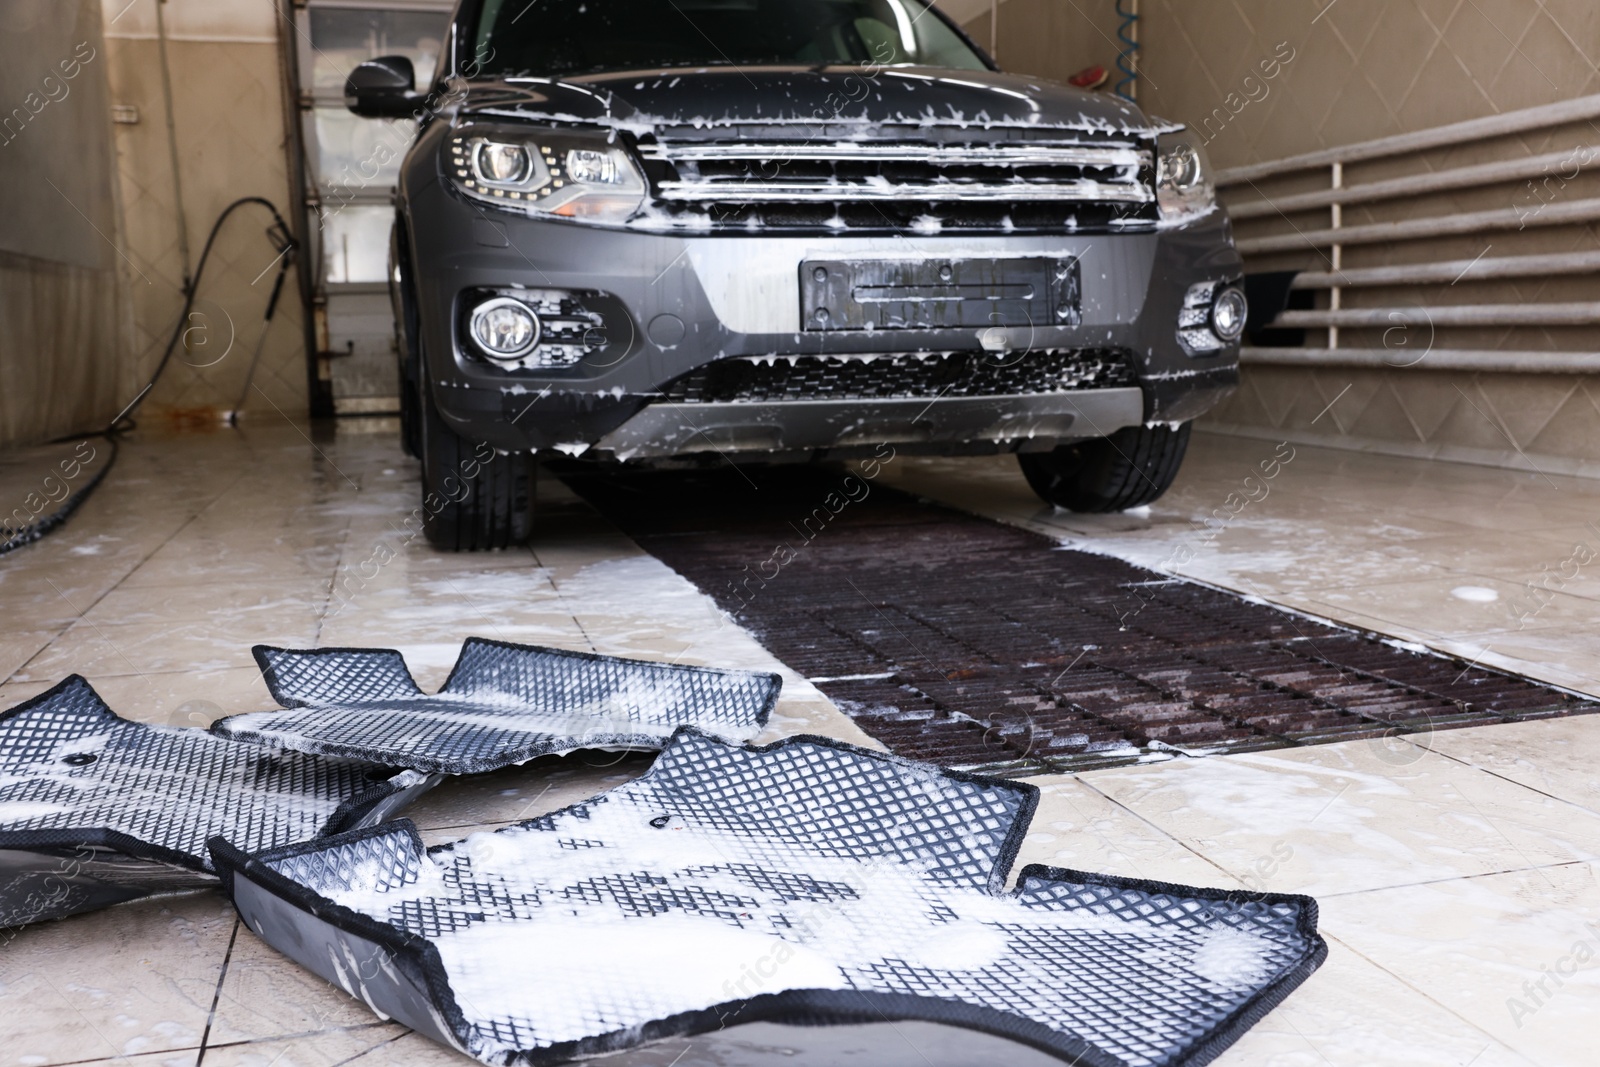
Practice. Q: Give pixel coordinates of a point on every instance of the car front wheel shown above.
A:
(1131, 468)
(473, 497)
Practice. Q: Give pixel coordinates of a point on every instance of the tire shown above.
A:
(473, 498)
(408, 334)
(1131, 468)
(410, 418)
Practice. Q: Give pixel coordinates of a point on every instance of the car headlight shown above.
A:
(1184, 186)
(545, 172)
(500, 164)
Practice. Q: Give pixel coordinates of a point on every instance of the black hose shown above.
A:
(279, 234)
(285, 244)
(37, 531)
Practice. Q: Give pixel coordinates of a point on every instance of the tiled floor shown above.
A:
(1458, 873)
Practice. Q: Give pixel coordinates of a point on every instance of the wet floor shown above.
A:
(1456, 868)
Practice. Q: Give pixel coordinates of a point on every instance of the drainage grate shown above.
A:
(971, 644)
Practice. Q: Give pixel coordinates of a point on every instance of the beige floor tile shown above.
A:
(284, 604)
(14, 693)
(1079, 829)
(380, 558)
(1352, 816)
(174, 698)
(133, 979)
(1456, 604)
(1281, 557)
(170, 1058)
(1515, 560)
(230, 553)
(185, 698)
(1352, 1013)
(503, 597)
(579, 540)
(1530, 510)
(265, 995)
(86, 549)
(17, 649)
(1482, 947)
(102, 650)
(369, 1043)
(1560, 757)
(36, 600)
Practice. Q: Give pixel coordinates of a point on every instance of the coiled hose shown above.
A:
(1128, 58)
(13, 538)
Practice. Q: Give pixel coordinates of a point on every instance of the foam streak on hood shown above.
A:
(845, 97)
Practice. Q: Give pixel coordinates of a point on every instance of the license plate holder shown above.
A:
(936, 294)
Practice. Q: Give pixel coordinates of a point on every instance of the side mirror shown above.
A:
(383, 88)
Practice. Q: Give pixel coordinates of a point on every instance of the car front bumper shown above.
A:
(682, 301)
(842, 427)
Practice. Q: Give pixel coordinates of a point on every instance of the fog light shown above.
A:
(505, 329)
(1228, 314)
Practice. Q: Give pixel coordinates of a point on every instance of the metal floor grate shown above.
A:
(971, 644)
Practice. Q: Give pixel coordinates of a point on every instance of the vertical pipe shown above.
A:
(994, 31)
(172, 141)
(1336, 294)
(1127, 86)
(319, 391)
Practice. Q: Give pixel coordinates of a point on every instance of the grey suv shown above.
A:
(647, 230)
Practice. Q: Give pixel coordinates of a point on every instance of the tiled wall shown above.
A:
(1348, 71)
(222, 58)
(1363, 69)
(1050, 38)
(1545, 423)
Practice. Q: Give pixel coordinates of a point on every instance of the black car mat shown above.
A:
(95, 810)
(805, 882)
(503, 704)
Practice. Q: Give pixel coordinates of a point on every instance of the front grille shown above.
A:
(954, 374)
(913, 185)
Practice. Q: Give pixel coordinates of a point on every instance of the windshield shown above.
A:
(566, 37)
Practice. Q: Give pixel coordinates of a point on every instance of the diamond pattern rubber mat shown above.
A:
(502, 705)
(95, 809)
(807, 881)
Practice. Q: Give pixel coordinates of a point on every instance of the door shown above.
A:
(351, 165)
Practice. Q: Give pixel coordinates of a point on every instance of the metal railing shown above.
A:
(1247, 202)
